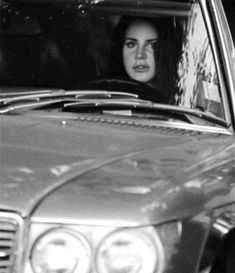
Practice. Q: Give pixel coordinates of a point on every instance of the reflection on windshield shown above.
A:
(197, 81)
(165, 59)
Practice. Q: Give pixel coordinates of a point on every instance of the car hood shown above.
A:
(100, 172)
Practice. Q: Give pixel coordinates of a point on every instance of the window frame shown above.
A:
(222, 43)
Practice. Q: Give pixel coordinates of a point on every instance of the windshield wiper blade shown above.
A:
(7, 98)
(109, 102)
(195, 113)
(144, 105)
(104, 100)
(29, 105)
(10, 97)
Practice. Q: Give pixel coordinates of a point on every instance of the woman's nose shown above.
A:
(140, 53)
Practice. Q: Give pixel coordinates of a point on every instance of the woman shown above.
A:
(138, 51)
(142, 54)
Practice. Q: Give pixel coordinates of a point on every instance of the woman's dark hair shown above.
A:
(166, 54)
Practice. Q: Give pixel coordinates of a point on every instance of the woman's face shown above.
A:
(138, 51)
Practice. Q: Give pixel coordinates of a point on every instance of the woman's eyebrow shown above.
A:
(152, 40)
(129, 38)
(148, 40)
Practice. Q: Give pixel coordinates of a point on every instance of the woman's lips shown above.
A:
(140, 68)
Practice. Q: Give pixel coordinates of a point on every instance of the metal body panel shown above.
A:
(156, 171)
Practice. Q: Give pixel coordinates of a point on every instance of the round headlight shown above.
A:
(127, 252)
(61, 251)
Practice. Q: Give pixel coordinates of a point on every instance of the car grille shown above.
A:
(10, 225)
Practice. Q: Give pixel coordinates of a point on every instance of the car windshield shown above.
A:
(159, 51)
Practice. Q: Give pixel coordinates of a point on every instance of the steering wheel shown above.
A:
(128, 85)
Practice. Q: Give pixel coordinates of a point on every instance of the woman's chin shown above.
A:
(141, 78)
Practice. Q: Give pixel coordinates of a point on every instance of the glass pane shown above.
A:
(197, 77)
(86, 47)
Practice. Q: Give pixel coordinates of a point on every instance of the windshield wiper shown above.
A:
(77, 101)
(9, 98)
(148, 107)
(31, 100)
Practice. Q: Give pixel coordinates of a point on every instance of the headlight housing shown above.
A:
(61, 251)
(81, 249)
(129, 251)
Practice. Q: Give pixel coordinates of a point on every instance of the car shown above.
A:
(117, 144)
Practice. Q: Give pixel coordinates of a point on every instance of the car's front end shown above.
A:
(98, 175)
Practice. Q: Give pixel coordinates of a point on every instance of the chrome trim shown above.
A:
(217, 8)
(216, 58)
(17, 247)
(224, 223)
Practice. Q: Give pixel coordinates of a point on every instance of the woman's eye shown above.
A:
(130, 44)
(152, 45)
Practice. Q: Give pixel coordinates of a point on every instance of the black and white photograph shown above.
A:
(117, 136)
